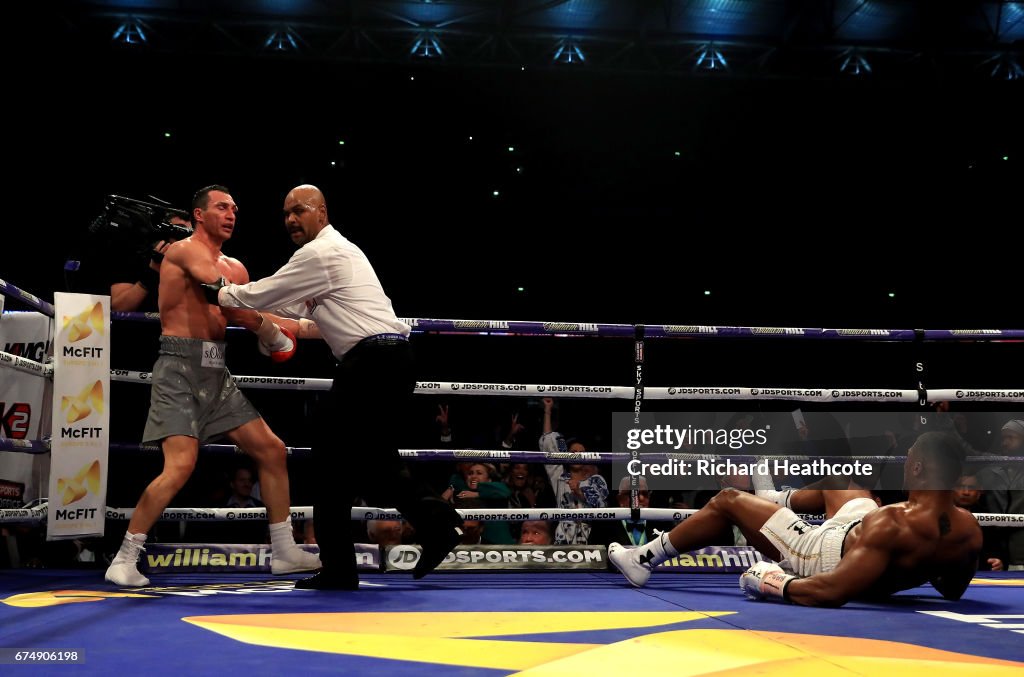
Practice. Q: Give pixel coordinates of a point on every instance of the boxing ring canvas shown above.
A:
(501, 624)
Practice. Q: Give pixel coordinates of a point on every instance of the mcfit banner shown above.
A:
(81, 417)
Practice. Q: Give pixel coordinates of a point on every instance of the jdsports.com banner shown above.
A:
(81, 416)
(503, 557)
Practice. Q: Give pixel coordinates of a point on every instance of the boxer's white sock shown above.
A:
(655, 552)
(286, 556)
(776, 497)
(131, 548)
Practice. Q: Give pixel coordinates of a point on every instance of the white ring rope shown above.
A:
(880, 395)
(23, 364)
(358, 513)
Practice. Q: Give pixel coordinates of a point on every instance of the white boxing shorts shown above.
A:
(807, 549)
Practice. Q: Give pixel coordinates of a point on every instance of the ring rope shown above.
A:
(824, 394)
(561, 329)
(506, 456)
(23, 364)
(360, 513)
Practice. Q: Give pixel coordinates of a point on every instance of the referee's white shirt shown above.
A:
(328, 280)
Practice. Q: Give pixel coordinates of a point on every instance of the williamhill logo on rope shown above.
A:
(81, 416)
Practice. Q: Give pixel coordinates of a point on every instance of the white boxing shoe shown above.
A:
(125, 574)
(294, 561)
(124, 569)
(629, 565)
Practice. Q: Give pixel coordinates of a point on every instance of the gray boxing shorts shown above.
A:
(193, 393)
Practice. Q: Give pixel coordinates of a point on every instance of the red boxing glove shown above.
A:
(277, 342)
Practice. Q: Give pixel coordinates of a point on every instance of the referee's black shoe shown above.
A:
(438, 530)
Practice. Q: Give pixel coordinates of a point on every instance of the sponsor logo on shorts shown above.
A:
(213, 355)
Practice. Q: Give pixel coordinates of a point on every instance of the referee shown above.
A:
(328, 290)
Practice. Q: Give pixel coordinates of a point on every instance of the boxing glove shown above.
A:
(278, 343)
(765, 580)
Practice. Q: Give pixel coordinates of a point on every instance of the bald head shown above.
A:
(307, 194)
(305, 213)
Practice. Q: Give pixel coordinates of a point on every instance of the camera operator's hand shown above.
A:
(149, 276)
(157, 255)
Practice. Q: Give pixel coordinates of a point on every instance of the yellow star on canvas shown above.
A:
(463, 639)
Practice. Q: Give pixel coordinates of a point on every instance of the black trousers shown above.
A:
(355, 448)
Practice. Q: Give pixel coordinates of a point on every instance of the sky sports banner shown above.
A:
(24, 406)
(81, 416)
(504, 557)
(231, 558)
(710, 450)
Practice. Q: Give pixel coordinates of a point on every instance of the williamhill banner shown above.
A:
(81, 416)
(713, 559)
(231, 558)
